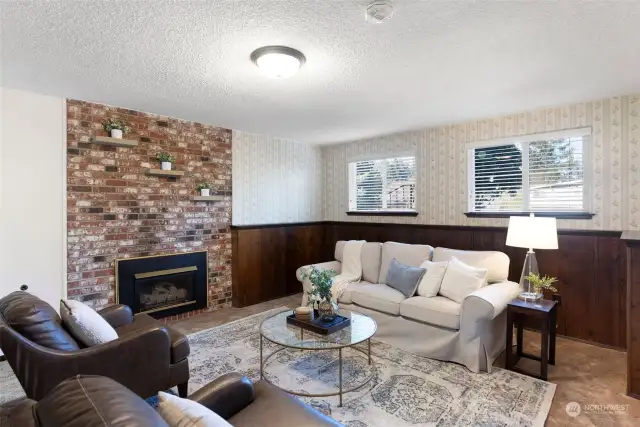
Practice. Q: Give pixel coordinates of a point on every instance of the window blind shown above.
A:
(383, 184)
(529, 175)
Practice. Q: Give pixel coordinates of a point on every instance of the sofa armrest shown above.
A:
(117, 315)
(139, 361)
(329, 265)
(486, 304)
(227, 395)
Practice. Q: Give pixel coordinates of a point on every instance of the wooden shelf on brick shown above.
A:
(208, 198)
(160, 172)
(114, 142)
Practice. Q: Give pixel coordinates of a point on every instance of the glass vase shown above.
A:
(328, 310)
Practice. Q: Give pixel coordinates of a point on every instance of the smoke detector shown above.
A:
(379, 11)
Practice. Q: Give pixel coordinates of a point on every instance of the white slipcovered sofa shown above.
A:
(471, 333)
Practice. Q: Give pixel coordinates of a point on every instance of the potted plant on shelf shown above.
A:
(321, 282)
(165, 160)
(203, 189)
(115, 127)
(539, 284)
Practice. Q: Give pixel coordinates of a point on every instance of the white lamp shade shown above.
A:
(278, 65)
(532, 232)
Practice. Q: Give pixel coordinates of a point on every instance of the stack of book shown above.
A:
(304, 313)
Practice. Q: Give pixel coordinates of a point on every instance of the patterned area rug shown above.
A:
(407, 390)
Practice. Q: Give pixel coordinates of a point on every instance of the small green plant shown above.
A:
(203, 186)
(540, 283)
(165, 157)
(111, 124)
(321, 281)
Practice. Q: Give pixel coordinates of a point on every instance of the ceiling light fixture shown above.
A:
(278, 62)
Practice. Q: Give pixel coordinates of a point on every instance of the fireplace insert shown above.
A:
(163, 285)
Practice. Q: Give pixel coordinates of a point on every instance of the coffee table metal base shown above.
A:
(340, 392)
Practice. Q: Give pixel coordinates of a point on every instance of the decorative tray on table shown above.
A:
(318, 325)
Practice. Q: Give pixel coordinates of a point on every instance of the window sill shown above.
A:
(558, 215)
(382, 213)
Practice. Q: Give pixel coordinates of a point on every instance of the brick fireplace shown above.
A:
(116, 210)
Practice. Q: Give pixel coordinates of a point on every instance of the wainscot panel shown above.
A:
(265, 259)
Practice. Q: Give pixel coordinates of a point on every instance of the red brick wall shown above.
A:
(115, 210)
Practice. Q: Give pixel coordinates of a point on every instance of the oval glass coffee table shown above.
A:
(276, 330)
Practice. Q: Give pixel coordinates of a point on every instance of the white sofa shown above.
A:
(471, 333)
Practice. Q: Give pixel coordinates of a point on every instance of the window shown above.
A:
(534, 173)
(383, 185)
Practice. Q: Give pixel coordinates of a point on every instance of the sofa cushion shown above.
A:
(412, 255)
(404, 278)
(430, 283)
(371, 253)
(179, 412)
(179, 342)
(85, 324)
(496, 263)
(347, 297)
(36, 320)
(439, 311)
(461, 280)
(378, 297)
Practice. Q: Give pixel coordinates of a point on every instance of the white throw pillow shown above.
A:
(432, 279)
(461, 279)
(85, 324)
(178, 412)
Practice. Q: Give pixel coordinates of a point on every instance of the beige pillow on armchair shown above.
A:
(461, 280)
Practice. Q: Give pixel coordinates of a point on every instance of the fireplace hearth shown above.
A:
(163, 285)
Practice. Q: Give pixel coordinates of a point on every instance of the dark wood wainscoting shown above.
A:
(590, 267)
(265, 259)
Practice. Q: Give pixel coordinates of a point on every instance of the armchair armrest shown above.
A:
(486, 304)
(139, 361)
(329, 265)
(117, 315)
(227, 395)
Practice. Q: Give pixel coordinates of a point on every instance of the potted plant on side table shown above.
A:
(165, 160)
(115, 127)
(203, 189)
(540, 283)
(321, 282)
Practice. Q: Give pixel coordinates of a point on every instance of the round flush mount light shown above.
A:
(278, 62)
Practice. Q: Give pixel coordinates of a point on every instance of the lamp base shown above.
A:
(527, 291)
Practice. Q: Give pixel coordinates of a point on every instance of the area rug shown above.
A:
(406, 390)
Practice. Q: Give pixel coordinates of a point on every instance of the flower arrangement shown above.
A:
(200, 187)
(111, 124)
(321, 281)
(539, 283)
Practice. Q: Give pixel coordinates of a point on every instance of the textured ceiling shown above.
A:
(435, 62)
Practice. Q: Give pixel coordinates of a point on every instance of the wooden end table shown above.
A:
(546, 313)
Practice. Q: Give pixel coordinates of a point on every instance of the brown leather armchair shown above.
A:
(147, 357)
(90, 401)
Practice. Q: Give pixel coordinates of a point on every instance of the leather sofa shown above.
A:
(93, 401)
(471, 333)
(147, 357)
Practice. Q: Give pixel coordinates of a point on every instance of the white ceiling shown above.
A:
(435, 62)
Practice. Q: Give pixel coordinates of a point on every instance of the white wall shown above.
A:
(275, 180)
(442, 167)
(32, 194)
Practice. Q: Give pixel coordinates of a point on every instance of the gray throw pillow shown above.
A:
(404, 278)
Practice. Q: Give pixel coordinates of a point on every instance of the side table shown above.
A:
(544, 311)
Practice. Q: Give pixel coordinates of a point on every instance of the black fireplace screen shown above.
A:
(163, 285)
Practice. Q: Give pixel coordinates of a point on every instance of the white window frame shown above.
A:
(385, 156)
(584, 132)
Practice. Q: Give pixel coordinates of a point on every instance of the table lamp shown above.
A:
(531, 233)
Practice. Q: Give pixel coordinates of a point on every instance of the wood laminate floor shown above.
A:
(592, 376)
